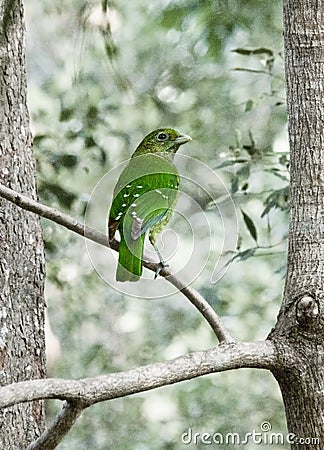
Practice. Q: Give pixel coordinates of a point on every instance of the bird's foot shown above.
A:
(160, 266)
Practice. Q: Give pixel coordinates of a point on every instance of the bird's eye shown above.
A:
(162, 136)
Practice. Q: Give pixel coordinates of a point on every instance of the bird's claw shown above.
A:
(160, 266)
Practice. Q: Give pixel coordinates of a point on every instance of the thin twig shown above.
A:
(90, 233)
(201, 304)
(60, 427)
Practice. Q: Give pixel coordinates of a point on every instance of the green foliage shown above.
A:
(277, 199)
(250, 226)
(101, 75)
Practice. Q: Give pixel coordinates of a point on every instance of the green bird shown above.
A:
(143, 200)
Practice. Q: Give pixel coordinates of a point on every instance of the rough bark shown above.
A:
(299, 332)
(22, 345)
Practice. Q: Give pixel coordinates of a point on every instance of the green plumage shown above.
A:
(144, 198)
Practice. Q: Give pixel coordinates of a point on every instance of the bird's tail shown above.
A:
(130, 259)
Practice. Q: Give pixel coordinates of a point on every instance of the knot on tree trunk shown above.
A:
(307, 311)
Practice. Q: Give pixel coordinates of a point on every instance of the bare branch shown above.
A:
(96, 236)
(62, 424)
(201, 304)
(83, 393)
(56, 216)
(88, 391)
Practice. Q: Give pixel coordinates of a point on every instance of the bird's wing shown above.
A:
(147, 210)
(145, 191)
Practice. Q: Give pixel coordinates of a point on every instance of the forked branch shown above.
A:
(89, 391)
(79, 394)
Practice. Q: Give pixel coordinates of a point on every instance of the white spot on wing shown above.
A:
(159, 192)
(136, 228)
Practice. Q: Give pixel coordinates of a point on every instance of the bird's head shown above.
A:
(162, 140)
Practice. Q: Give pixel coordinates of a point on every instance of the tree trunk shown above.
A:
(22, 345)
(299, 331)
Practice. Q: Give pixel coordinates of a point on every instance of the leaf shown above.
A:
(66, 114)
(99, 155)
(38, 138)
(64, 197)
(252, 139)
(253, 51)
(109, 43)
(277, 199)
(283, 160)
(89, 142)
(249, 105)
(277, 173)
(246, 254)
(251, 148)
(68, 160)
(242, 256)
(239, 242)
(250, 225)
(235, 184)
(231, 162)
(245, 69)
(244, 172)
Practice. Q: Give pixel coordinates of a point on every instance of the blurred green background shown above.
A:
(101, 76)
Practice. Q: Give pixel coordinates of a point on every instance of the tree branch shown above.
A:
(88, 391)
(60, 427)
(96, 236)
(83, 393)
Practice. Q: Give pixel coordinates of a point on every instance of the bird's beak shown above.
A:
(182, 139)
